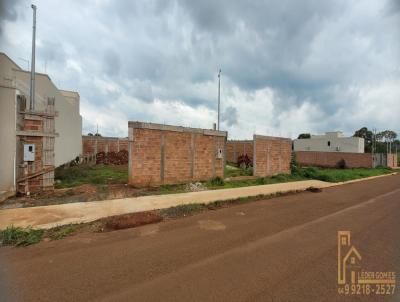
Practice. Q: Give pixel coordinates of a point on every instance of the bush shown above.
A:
(281, 177)
(20, 236)
(217, 181)
(341, 164)
(306, 172)
(261, 181)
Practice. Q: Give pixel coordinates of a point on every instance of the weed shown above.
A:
(20, 236)
(232, 171)
(338, 175)
(86, 174)
(217, 181)
(61, 232)
(182, 210)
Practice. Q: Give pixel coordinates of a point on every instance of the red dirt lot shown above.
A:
(281, 249)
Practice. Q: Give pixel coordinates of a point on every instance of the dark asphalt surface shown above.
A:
(281, 249)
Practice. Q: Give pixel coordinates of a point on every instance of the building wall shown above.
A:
(392, 160)
(68, 122)
(95, 144)
(337, 144)
(235, 148)
(7, 137)
(272, 155)
(162, 154)
(331, 159)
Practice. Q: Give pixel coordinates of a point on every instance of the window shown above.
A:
(329, 143)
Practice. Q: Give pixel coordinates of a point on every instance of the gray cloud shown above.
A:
(111, 63)
(52, 51)
(230, 116)
(8, 10)
(325, 54)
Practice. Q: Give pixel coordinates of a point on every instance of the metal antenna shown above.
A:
(32, 90)
(219, 97)
(26, 61)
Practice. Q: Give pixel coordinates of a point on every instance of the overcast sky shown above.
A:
(287, 66)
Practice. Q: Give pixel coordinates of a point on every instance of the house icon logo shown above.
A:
(353, 279)
(348, 255)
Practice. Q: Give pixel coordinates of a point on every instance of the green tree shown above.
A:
(304, 135)
(367, 135)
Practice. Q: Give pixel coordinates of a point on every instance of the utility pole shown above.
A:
(372, 142)
(32, 90)
(219, 96)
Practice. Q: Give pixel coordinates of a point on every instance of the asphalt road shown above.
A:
(282, 249)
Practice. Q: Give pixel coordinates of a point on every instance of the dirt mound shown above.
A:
(131, 220)
(113, 158)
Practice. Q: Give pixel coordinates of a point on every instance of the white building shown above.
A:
(68, 121)
(330, 142)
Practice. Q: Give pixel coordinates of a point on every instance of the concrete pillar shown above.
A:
(162, 152)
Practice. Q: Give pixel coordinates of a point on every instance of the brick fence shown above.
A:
(163, 154)
(96, 144)
(332, 159)
(272, 155)
(392, 160)
(236, 148)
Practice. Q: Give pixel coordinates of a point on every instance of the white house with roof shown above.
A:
(330, 142)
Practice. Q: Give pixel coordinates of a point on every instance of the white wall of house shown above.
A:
(330, 142)
(68, 122)
(7, 138)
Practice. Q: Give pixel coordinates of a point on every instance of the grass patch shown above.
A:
(85, 174)
(182, 210)
(338, 175)
(20, 236)
(232, 171)
(61, 232)
(193, 208)
(280, 178)
(217, 181)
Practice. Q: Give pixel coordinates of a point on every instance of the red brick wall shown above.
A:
(96, 144)
(236, 148)
(33, 123)
(161, 154)
(331, 159)
(272, 155)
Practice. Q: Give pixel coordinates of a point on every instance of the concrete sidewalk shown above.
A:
(55, 215)
(80, 212)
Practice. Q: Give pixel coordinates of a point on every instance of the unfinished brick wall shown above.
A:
(392, 160)
(163, 154)
(272, 155)
(35, 128)
(235, 148)
(331, 159)
(96, 144)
